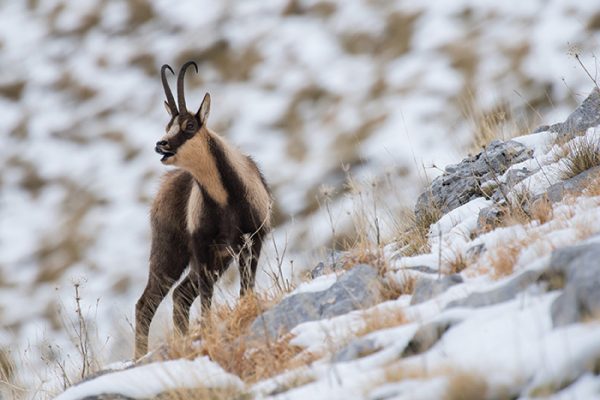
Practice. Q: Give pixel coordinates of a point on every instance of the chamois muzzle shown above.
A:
(162, 147)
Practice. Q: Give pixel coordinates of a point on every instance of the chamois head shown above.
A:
(183, 125)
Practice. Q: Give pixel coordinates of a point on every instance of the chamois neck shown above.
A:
(197, 158)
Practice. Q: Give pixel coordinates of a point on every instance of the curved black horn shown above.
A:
(168, 93)
(180, 94)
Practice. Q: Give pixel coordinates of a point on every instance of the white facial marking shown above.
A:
(174, 130)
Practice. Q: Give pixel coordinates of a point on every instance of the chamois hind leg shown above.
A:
(183, 297)
(248, 264)
(219, 257)
(165, 269)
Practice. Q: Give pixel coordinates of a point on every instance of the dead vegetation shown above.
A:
(224, 336)
(412, 232)
(378, 319)
(582, 155)
(461, 384)
(456, 264)
(204, 393)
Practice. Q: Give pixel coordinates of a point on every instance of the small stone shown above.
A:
(356, 349)
(426, 288)
(358, 288)
(503, 293)
(574, 185)
(488, 218)
(427, 336)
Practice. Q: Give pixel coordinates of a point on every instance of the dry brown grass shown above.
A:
(377, 319)
(582, 155)
(503, 259)
(224, 337)
(456, 264)
(592, 188)
(393, 287)
(464, 385)
(204, 393)
(412, 237)
(541, 210)
(521, 208)
(500, 122)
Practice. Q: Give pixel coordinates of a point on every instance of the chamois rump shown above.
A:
(214, 207)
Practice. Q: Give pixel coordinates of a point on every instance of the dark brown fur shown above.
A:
(229, 220)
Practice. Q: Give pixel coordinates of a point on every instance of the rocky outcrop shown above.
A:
(358, 288)
(585, 116)
(462, 182)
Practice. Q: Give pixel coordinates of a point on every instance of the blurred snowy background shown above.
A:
(315, 90)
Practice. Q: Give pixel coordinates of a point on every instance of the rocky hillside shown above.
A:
(350, 108)
(499, 300)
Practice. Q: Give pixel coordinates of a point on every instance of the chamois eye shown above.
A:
(190, 126)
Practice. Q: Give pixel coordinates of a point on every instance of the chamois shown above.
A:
(214, 207)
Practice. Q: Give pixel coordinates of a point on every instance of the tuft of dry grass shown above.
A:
(541, 210)
(224, 337)
(412, 237)
(503, 259)
(501, 122)
(394, 287)
(521, 208)
(204, 393)
(378, 319)
(456, 264)
(582, 155)
(462, 385)
(465, 385)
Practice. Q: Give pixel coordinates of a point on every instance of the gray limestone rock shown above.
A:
(427, 336)
(424, 269)
(426, 288)
(585, 116)
(580, 268)
(358, 288)
(356, 349)
(573, 185)
(462, 182)
(503, 293)
(488, 217)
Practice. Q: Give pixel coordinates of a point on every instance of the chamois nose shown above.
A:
(161, 143)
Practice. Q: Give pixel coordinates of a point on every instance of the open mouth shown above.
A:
(165, 154)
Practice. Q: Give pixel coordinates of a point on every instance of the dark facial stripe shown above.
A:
(183, 135)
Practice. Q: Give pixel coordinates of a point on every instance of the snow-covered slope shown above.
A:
(499, 309)
(312, 89)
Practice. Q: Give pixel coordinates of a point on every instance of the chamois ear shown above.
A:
(204, 109)
(168, 108)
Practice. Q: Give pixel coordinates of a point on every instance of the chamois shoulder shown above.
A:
(238, 169)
